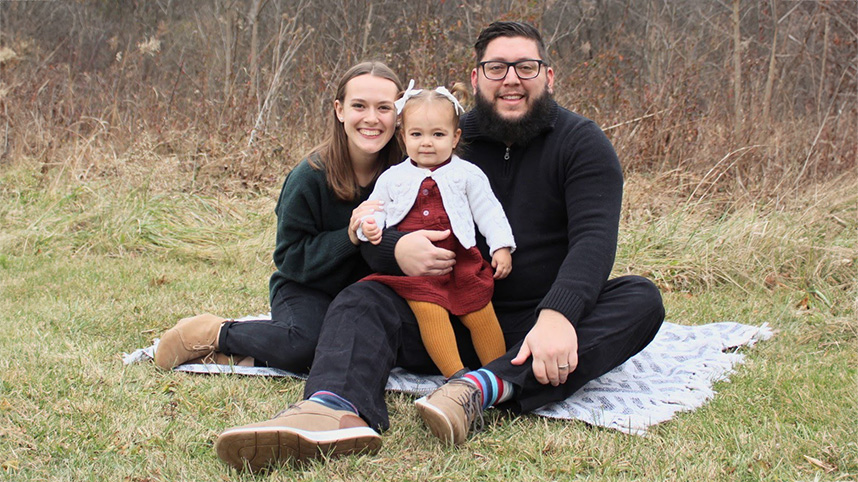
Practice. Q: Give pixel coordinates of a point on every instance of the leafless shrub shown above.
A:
(747, 102)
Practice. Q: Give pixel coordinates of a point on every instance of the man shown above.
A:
(560, 183)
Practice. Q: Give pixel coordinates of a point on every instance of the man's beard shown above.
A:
(517, 131)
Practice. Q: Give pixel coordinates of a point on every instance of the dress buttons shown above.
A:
(425, 192)
(425, 212)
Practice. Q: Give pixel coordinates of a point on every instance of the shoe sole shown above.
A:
(437, 421)
(259, 447)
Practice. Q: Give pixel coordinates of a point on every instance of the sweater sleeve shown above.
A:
(593, 186)
(380, 193)
(305, 252)
(381, 258)
(488, 213)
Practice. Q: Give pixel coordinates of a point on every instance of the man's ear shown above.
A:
(549, 74)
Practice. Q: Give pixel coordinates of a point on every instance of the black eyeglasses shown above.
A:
(524, 69)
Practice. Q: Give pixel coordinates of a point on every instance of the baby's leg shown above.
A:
(438, 336)
(486, 333)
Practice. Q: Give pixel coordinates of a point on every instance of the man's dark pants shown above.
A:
(369, 329)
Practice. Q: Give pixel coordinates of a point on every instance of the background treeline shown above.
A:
(748, 98)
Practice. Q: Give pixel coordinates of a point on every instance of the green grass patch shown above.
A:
(89, 271)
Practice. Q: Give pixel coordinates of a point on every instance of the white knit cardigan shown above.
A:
(465, 193)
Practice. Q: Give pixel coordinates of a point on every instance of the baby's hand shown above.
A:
(371, 230)
(360, 213)
(502, 263)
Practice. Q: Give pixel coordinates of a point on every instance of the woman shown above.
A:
(317, 252)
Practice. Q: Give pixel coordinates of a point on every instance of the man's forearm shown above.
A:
(381, 258)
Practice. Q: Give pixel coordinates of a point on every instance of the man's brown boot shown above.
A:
(191, 338)
(305, 430)
(451, 410)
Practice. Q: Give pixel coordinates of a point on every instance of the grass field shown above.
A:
(90, 269)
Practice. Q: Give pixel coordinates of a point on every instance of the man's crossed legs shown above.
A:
(369, 329)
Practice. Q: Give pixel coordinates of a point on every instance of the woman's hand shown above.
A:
(502, 263)
(366, 208)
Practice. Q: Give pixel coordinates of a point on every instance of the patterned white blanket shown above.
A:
(674, 373)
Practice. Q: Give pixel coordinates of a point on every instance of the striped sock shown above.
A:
(493, 389)
(332, 400)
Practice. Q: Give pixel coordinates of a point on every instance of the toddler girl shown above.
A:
(435, 189)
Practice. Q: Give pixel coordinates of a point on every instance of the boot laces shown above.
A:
(472, 404)
(290, 407)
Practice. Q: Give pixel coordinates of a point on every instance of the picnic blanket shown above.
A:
(675, 373)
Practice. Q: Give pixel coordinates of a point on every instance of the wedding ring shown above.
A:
(562, 367)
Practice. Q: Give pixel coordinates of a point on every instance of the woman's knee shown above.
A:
(295, 304)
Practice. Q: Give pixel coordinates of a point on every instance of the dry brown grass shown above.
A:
(805, 242)
(143, 93)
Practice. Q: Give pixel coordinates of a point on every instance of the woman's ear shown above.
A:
(338, 110)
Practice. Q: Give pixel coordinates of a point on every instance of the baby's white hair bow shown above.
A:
(411, 92)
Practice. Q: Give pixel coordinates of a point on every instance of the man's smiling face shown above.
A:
(512, 97)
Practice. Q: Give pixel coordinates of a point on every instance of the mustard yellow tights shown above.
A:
(440, 341)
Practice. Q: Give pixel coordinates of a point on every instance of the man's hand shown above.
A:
(502, 263)
(365, 209)
(417, 256)
(553, 343)
(371, 230)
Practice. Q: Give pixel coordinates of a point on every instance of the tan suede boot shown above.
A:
(306, 430)
(191, 338)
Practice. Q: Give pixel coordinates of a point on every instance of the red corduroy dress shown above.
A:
(464, 290)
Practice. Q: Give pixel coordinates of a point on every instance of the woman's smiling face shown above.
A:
(368, 115)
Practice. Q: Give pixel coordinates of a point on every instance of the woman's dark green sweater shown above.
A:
(313, 246)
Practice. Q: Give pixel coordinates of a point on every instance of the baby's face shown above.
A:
(430, 132)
